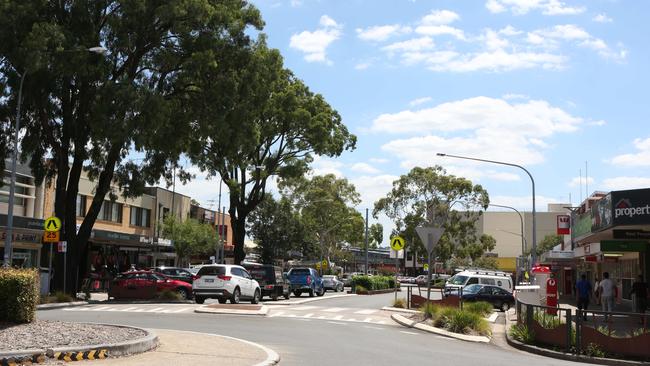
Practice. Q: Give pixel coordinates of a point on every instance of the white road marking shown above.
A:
(367, 320)
(100, 308)
(308, 315)
(154, 310)
(366, 311)
(338, 323)
(405, 332)
(334, 310)
(129, 309)
(180, 310)
(338, 317)
(376, 328)
(303, 307)
(274, 314)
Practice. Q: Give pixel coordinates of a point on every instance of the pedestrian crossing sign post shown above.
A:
(52, 224)
(51, 236)
(397, 243)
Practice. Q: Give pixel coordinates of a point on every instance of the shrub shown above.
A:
(374, 282)
(464, 322)
(594, 350)
(430, 311)
(360, 289)
(19, 295)
(168, 295)
(547, 321)
(444, 317)
(481, 308)
(399, 303)
(521, 333)
(58, 296)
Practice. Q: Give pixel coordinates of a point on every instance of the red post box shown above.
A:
(551, 296)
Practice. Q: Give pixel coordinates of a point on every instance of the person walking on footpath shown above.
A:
(584, 289)
(596, 293)
(607, 289)
(640, 289)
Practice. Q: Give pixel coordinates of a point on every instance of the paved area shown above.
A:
(332, 313)
(190, 348)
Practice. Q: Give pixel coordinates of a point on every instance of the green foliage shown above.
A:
(190, 237)
(456, 204)
(486, 263)
(521, 333)
(547, 321)
(460, 321)
(375, 235)
(19, 295)
(399, 303)
(373, 283)
(168, 295)
(548, 243)
(360, 289)
(481, 308)
(594, 350)
(430, 310)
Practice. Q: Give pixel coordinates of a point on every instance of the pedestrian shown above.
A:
(607, 289)
(596, 292)
(640, 289)
(584, 289)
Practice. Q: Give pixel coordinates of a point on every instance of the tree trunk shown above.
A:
(238, 236)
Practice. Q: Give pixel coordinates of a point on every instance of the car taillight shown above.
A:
(224, 278)
(269, 287)
(308, 280)
(194, 278)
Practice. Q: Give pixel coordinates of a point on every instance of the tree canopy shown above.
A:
(190, 237)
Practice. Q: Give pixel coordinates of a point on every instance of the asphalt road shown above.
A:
(317, 342)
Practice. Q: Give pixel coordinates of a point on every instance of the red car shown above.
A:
(146, 285)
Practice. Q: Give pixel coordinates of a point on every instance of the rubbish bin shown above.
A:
(45, 281)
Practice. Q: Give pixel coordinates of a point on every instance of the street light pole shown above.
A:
(521, 219)
(366, 241)
(533, 254)
(8, 257)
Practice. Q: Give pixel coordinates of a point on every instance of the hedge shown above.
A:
(372, 283)
(19, 294)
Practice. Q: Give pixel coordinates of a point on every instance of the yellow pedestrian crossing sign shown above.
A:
(397, 243)
(52, 224)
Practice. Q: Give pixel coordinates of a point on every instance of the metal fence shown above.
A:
(591, 332)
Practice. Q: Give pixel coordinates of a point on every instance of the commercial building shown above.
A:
(222, 226)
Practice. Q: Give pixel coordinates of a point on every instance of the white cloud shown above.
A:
(578, 181)
(521, 7)
(440, 30)
(511, 96)
(419, 101)
(295, 3)
(362, 66)
(602, 18)
(551, 38)
(373, 187)
(323, 166)
(491, 60)
(622, 183)
(638, 159)
(382, 32)
(411, 45)
(314, 44)
(364, 168)
(439, 17)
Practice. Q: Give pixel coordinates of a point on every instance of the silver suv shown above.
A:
(225, 282)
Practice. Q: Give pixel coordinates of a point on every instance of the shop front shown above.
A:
(26, 241)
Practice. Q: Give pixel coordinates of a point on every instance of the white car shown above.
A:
(225, 282)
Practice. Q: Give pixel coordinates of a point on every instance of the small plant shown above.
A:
(61, 296)
(465, 322)
(547, 321)
(521, 333)
(639, 332)
(359, 289)
(444, 317)
(594, 350)
(606, 331)
(168, 295)
(430, 310)
(481, 308)
(399, 303)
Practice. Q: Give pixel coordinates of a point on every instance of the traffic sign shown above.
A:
(397, 243)
(52, 224)
(430, 236)
(63, 246)
(426, 267)
(325, 264)
(51, 237)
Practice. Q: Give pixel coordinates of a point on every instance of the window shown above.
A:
(18, 201)
(236, 272)
(140, 216)
(110, 211)
(81, 205)
(472, 281)
(212, 271)
(487, 281)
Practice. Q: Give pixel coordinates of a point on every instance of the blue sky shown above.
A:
(547, 84)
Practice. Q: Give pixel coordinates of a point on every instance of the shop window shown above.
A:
(111, 211)
(18, 201)
(81, 205)
(140, 216)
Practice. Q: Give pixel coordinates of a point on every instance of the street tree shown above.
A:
(375, 235)
(277, 228)
(274, 129)
(444, 200)
(190, 237)
(548, 243)
(165, 62)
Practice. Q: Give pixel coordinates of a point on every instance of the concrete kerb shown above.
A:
(58, 305)
(264, 310)
(300, 302)
(413, 324)
(399, 310)
(563, 355)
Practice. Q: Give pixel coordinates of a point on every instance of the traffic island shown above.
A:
(421, 325)
(233, 309)
(40, 340)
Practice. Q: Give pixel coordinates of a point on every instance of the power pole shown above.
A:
(366, 241)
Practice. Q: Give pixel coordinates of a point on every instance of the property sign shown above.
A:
(63, 246)
(563, 224)
(631, 207)
(52, 224)
(51, 236)
(397, 243)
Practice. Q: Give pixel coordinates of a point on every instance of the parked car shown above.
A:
(146, 285)
(478, 276)
(176, 273)
(498, 297)
(346, 278)
(271, 279)
(225, 282)
(305, 280)
(332, 283)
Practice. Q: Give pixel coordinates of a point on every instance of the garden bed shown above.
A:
(469, 321)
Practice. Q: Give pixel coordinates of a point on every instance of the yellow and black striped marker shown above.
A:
(96, 354)
(27, 360)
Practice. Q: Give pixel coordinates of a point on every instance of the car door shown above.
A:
(484, 294)
(248, 280)
(238, 275)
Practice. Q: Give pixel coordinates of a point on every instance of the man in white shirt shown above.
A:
(607, 290)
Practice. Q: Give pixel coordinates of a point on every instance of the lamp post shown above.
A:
(8, 254)
(533, 255)
(521, 219)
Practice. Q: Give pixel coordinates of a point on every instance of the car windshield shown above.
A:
(458, 280)
(472, 289)
(261, 273)
(212, 271)
(299, 271)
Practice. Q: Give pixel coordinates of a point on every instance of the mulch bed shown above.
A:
(43, 334)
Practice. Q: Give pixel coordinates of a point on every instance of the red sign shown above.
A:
(591, 258)
(563, 224)
(551, 296)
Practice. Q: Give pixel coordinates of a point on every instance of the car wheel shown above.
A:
(199, 299)
(182, 293)
(340, 289)
(311, 293)
(286, 296)
(274, 297)
(222, 300)
(505, 306)
(256, 297)
(297, 293)
(234, 299)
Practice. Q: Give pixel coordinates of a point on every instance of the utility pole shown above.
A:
(366, 241)
(217, 256)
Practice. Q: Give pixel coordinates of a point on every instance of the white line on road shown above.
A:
(308, 315)
(334, 310)
(338, 317)
(338, 323)
(180, 310)
(274, 314)
(100, 308)
(366, 311)
(154, 310)
(129, 309)
(303, 307)
(377, 328)
(405, 332)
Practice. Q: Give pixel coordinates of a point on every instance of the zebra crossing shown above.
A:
(145, 308)
(335, 314)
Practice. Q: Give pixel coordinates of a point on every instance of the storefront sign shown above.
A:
(120, 237)
(580, 225)
(631, 234)
(563, 224)
(601, 214)
(23, 222)
(591, 258)
(631, 207)
(623, 246)
(22, 237)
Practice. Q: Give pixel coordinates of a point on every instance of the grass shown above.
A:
(547, 321)
(399, 303)
(168, 295)
(57, 297)
(456, 320)
(481, 308)
(360, 289)
(521, 333)
(430, 311)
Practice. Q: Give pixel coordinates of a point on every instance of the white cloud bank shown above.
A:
(314, 44)
(641, 158)
(522, 7)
